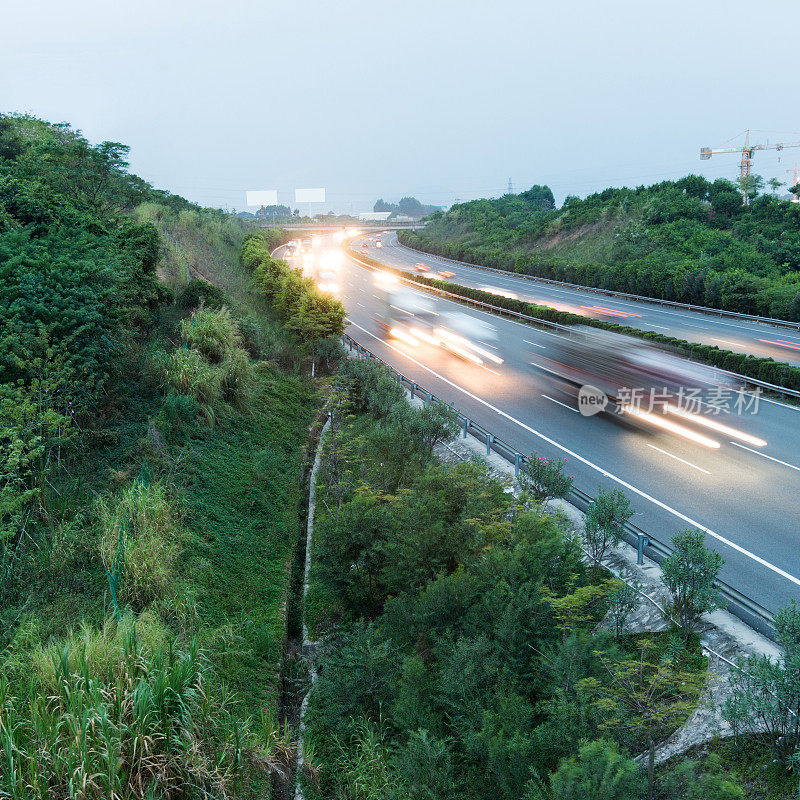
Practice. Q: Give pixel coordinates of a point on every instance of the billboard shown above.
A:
(263, 197)
(309, 195)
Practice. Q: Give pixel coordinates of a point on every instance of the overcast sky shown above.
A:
(441, 99)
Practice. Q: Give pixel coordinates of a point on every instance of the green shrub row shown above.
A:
(315, 319)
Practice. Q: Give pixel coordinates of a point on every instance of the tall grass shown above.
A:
(140, 534)
(212, 332)
(146, 728)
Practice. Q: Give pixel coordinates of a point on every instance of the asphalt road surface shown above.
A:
(740, 336)
(746, 496)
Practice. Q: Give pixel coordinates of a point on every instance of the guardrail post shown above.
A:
(413, 389)
(517, 464)
(466, 427)
(642, 540)
(489, 440)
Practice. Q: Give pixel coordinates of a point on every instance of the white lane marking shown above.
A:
(728, 341)
(677, 458)
(360, 304)
(563, 405)
(594, 466)
(764, 455)
(376, 297)
(557, 335)
(661, 327)
(346, 297)
(534, 344)
(652, 303)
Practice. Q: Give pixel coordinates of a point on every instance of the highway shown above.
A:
(740, 336)
(746, 497)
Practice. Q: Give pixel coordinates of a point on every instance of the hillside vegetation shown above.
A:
(689, 240)
(151, 457)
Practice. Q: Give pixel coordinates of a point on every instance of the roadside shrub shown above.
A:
(599, 772)
(605, 522)
(544, 479)
(214, 333)
(140, 533)
(765, 694)
(370, 386)
(689, 574)
(692, 781)
(198, 292)
(189, 373)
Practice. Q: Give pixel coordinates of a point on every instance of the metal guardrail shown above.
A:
(720, 312)
(783, 391)
(741, 606)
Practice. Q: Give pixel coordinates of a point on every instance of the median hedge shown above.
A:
(764, 369)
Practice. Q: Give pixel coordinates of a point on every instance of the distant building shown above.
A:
(374, 216)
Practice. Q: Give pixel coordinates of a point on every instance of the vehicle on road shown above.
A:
(446, 273)
(420, 267)
(305, 245)
(642, 385)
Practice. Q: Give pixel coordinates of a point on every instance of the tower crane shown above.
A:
(747, 152)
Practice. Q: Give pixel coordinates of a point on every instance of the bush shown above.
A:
(370, 387)
(688, 781)
(139, 542)
(544, 479)
(689, 574)
(599, 772)
(765, 694)
(213, 333)
(198, 292)
(605, 522)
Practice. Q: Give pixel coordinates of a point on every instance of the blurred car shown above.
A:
(420, 267)
(446, 273)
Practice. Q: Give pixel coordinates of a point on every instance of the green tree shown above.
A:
(644, 698)
(605, 522)
(598, 772)
(622, 600)
(750, 185)
(544, 479)
(774, 184)
(764, 700)
(689, 573)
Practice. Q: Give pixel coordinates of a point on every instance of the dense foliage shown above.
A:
(315, 319)
(406, 206)
(458, 654)
(76, 280)
(689, 240)
(150, 464)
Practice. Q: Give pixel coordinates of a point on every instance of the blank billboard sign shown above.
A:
(263, 197)
(309, 195)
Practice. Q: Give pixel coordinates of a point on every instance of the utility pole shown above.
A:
(747, 152)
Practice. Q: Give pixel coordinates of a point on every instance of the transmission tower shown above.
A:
(747, 152)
